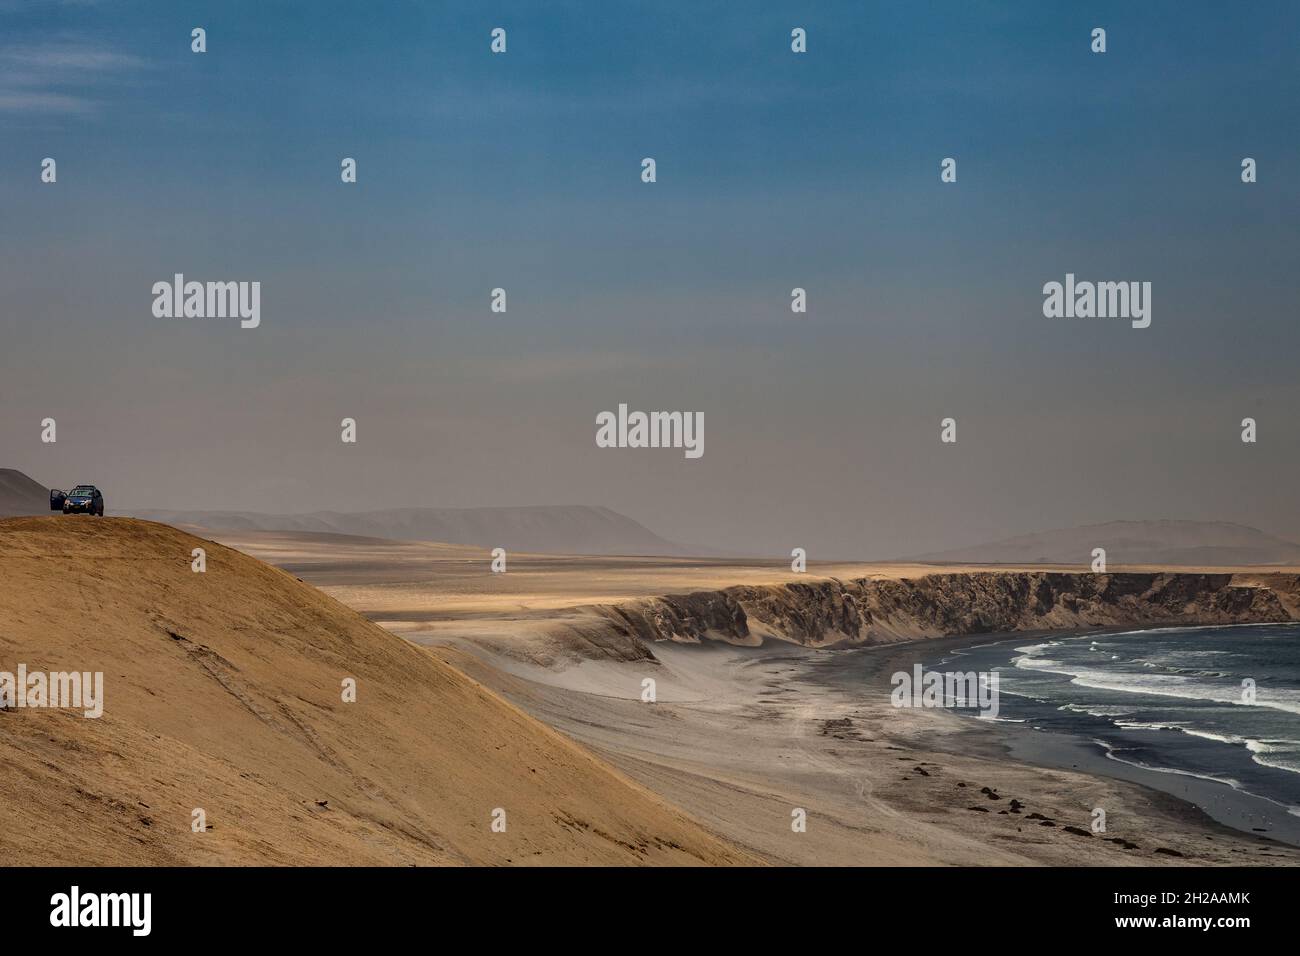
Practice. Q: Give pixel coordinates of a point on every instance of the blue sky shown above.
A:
(774, 170)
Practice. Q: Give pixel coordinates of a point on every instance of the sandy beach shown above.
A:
(753, 734)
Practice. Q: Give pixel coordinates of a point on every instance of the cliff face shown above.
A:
(876, 611)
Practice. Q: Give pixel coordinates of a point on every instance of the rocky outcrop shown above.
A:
(826, 612)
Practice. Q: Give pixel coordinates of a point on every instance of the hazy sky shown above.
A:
(775, 170)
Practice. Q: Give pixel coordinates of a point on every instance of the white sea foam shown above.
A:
(1163, 685)
(1266, 753)
(1111, 755)
(1036, 663)
(1097, 710)
(1151, 725)
(1030, 648)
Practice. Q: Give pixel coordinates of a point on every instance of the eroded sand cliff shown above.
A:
(829, 612)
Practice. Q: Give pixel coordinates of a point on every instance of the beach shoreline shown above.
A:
(1232, 806)
(767, 731)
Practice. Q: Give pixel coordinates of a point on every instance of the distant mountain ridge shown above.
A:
(557, 529)
(1168, 542)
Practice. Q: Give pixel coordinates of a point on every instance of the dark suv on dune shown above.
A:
(85, 498)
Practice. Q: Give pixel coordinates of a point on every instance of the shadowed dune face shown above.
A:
(20, 495)
(223, 692)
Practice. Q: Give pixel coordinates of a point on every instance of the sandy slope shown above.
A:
(20, 495)
(223, 693)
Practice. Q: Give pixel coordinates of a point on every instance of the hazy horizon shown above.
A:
(775, 170)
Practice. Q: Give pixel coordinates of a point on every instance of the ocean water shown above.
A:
(1168, 700)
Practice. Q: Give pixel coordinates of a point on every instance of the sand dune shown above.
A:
(20, 495)
(223, 692)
